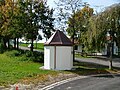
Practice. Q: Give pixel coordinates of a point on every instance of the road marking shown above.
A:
(62, 82)
(71, 79)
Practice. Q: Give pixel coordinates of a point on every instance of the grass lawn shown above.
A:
(13, 70)
(83, 68)
(40, 46)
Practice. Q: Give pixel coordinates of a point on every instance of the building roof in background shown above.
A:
(58, 39)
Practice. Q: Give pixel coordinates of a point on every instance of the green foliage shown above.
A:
(92, 29)
(23, 58)
(26, 55)
(78, 25)
(15, 69)
(80, 20)
(38, 57)
(12, 53)
(35, 56)
(39, 16)
(106, 21)
(24, 18)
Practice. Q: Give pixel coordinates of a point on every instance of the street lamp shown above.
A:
(110, 40)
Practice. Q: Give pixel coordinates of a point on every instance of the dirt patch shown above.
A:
(37, 83)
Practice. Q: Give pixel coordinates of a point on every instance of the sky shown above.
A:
(96, 4)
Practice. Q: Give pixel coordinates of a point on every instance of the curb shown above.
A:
(72, 79)
(62, 82)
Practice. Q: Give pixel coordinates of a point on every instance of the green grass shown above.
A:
(40, 46)
(83, 68)
(13, 70)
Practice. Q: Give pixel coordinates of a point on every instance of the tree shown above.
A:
(24, 18)
(105, 22)
(17, 24)
(67, 8)
(81, 24)
(39, 17)
(7, 7)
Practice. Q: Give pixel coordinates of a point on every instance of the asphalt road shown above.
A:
(104, 82)
(101, 61)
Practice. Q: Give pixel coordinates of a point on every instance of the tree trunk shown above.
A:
(4, 43)
(31, 48)
(15, 43)
(108, 50)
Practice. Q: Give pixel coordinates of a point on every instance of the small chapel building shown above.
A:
(58, 52)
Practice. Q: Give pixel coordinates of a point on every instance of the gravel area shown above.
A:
(51, 80)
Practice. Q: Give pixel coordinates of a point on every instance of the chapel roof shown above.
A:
(58, 39)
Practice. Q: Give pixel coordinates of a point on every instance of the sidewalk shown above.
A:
(100, 61)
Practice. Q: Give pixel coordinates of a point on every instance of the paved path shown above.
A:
(99, 82)
(101, 61)
(104, 82)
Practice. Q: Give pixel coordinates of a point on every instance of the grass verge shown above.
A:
(14, 70)
(39, 46)
(84, 68)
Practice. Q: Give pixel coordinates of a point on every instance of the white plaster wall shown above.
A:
(52, 53)
(64, 58)
(48, 57)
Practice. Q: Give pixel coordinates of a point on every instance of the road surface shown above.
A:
(104, 82)
(100, 61)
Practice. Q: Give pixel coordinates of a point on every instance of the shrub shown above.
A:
(34, 56)
(39, 57)
(28, 53)
(23, 58)
(21, 51)
(12, 53)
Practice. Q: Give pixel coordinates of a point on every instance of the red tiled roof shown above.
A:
(58, 39)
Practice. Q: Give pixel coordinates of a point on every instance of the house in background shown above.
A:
(106, 50)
